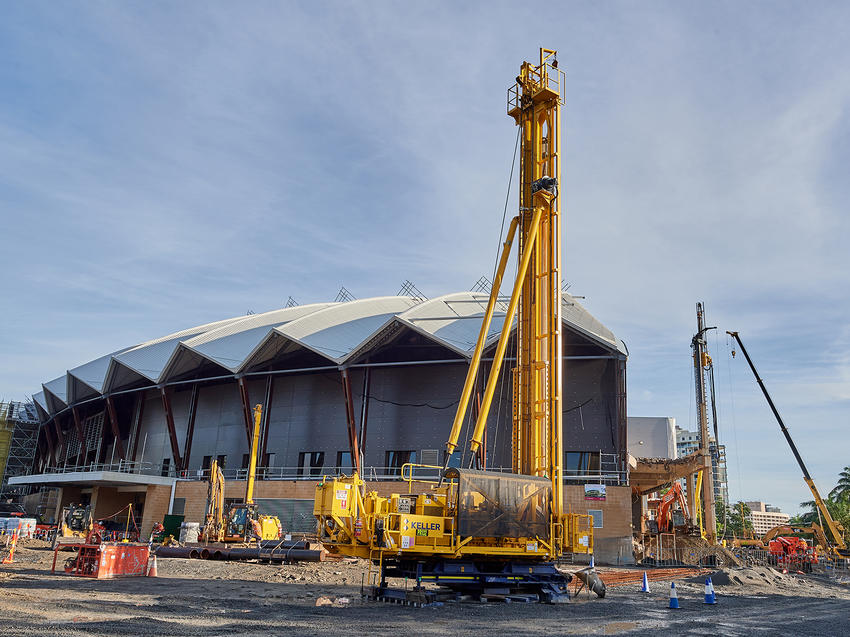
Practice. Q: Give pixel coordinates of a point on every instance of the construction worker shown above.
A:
(256, 530)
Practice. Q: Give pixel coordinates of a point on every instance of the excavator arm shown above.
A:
(665, 517)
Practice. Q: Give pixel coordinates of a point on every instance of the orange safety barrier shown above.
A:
(106, 560)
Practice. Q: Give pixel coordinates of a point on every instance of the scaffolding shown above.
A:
(19, 423)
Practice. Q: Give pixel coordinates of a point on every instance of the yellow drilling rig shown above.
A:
(473, 530)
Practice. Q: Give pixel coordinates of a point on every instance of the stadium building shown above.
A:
(377, 379)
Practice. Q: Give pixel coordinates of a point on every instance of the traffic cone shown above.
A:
(710, 597)
(674, 599)
(644, 587)
(152, 570)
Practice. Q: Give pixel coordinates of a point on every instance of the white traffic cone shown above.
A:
(709, 592)
(674, 598)
(644, 587)
(152, 570)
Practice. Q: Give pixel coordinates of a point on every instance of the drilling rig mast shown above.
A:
(476, 528)
(702, 363)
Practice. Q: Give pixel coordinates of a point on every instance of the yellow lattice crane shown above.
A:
(473, 529)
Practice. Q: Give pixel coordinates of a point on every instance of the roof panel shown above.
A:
(455, 319)
(39, 400)
(230, 345)
(575, 315)
(333, 330)
(337, 331)
(58, 387)
(150, 358)
(93, 373)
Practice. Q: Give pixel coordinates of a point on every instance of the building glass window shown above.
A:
(581, 462)
(596, 514)
(456, 459)
(166, 466)
(222, 461)
(343, 461)
(179, 506)
(311, 463)
(396, 459)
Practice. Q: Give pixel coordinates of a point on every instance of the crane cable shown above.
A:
(730, 350)
(495, 267)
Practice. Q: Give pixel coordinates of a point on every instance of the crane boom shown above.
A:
(834, 527)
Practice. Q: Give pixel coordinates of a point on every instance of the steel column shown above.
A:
(622, 413)
(246, 407)
(364, 413)
(172, 433)
(352, 425)
(140, 410)
(50, 447)
(78, 425)
(60, 438)
(116, 432)
(190, 428)
(267, 410)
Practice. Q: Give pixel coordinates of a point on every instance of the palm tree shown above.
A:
(842, 489)
(839, 509)
(811, 514)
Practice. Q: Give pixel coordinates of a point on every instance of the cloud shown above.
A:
(168, 164)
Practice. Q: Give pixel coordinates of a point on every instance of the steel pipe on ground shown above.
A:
(288, 544)
(288, 555)
(175, 551)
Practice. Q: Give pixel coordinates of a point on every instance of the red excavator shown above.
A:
(664, 513)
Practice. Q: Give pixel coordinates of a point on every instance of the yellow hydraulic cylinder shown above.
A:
(252, 467)
(478, 435)
(474, 364)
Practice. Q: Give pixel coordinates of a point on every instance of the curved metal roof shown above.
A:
(337, 332)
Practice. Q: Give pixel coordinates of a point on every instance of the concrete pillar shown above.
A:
(157, 500)
(57, 511)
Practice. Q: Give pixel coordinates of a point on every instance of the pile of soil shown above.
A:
(763, 580)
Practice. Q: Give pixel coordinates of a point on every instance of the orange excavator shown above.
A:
(664, 513)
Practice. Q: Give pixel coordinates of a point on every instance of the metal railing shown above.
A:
(663, 550)
(547, 77)
(122, 466)
(604, 475)
(827, 565)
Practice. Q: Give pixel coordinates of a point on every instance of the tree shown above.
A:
(722, 516)
(736, 519)
(842, 489)
(839, 509)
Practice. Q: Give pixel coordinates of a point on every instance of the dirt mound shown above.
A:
(754, 579)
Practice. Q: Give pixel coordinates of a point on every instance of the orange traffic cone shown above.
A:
(152, 570)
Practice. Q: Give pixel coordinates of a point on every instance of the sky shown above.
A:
(165, 165)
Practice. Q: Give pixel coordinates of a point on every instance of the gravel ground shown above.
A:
(192, 597)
